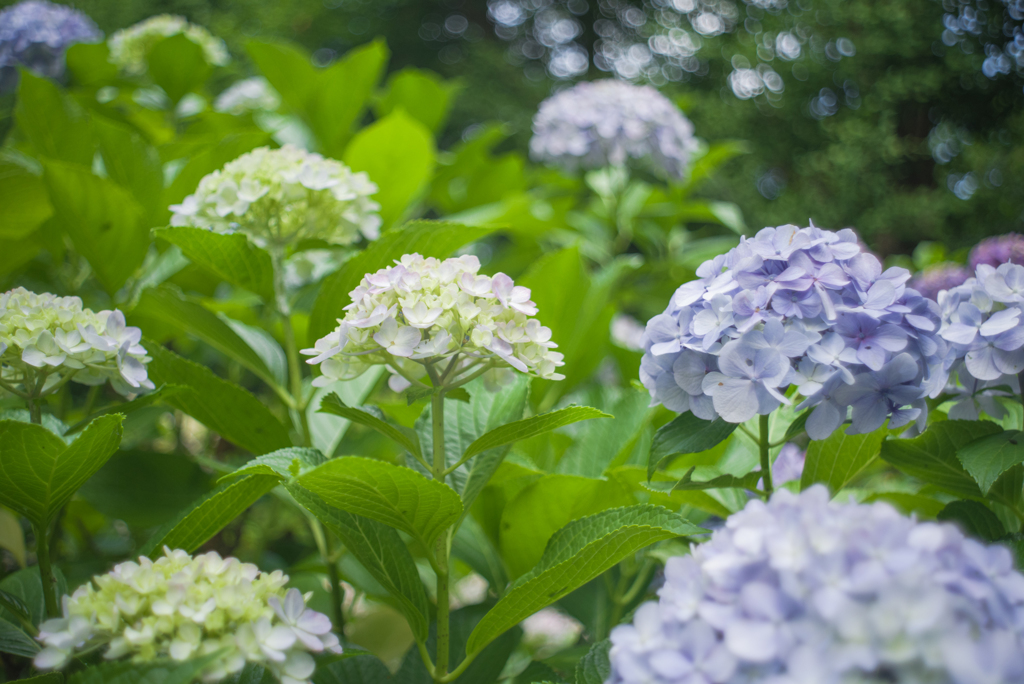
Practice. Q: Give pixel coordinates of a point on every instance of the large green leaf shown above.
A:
(398, 154)
(54, 124)
(283, 464)
(227, 409)
(603, 444)
(932, 456)
(333, 404)
(231, 256)
(990, 456)
(429, 238)
(396, 496)
(26, 589)
(24, 199)
(576, 554)
(177, 65)
(134, 164)
(975, 517)
(423, 95)
(837, 459)
(39, 472)
(13, 640)
(105, 222)
(381, 551)
(686, 434)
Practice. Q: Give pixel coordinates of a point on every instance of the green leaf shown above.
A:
(594, 667)
(686, 434)
(177, 65)
(202, 519)
(576, 554)
(687, 483)
(975, 518)
(429, 238)
(50, 678)
(24, 199)
(227, 409)
(134, 164)
(473, 547)
(126, 407)
(26, 587)
(837, 459)
(398, 154)
(529, 427)
(14, 605)
(423, 95)
(231, 256)
(283, 464)
(39, 472)
(333, 404)
(327, 429)
(155, 672)
(105, 222)
(13, 640)
(54, 124)
(932, 456)
(990, 456)
(798, 426)
(396, 496)
(89, 64)
(604, 444)
(381, 551)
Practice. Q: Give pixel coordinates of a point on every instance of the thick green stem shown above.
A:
(441, 664)
(766, 461)
(49, 582)
(291, 347)
(337, 591)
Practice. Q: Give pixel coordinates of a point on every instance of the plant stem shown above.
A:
(291, 348)
(46, 571)
(766, 461)
(437, 417)
(337, 591)
(1020, 384)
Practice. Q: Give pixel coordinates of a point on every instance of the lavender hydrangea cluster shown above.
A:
(804, 308)
(998, 250)
(935, 279)
(803, 590)
(609, 122)
(35, 34)
(981, 320)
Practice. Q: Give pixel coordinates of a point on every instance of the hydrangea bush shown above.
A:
(35, 34)
(995, 251)
(178, 607)
(130, 47)
(935, 279)
(803, 590)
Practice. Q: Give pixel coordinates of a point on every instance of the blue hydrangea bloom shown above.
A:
(804, 308)
(35, 34)
(982, 322)
(801, 590)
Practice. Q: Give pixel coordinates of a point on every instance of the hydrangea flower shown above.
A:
(804, 308)
(998, 250)
(180, 607)
(281, 196)
(130, 47)
(981, 320)
(35, 34)
(802, 590)
(251, 94)
(46, 340)
(608, 122)
(934, 280)
(424, 311)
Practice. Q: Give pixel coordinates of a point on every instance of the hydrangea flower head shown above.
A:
(609, 122)
(804, 590)
(251, 94)
(280, 196)
(982, 322)
(445, 315)
(130, 47)
(46, 340)
(934, 280)
(34, 34)
(998, 250)
(799, 307)
(180, 607)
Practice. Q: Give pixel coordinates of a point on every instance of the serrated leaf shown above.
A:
(931, 457)
(381, 551)
(687, 483)
(990, 456)
(396, 496)
(333, 404)
(594, 667)
(39, 472)
(975, 518)
(576, 554)
(231, 256)
(14, 605)
(142, 401)
(13, 640)
(155, 672)
(686, 434)
(283, 464)
(837, 459)
(225, 408)
(328, 430)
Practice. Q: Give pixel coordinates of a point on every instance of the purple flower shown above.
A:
(995, 251)
(34, 34)
(799, 307)
(938, 278)
(803, 590)
(789, 464)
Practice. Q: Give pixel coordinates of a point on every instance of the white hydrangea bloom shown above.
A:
(251, 94)
(180, 607)
(281, 196)
(424, 311)
(46, 340)
(129, 47)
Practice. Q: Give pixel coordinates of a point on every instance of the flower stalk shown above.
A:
(49, 582)
(441, 552)
(764, 445)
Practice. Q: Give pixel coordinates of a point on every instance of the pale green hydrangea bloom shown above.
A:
(248, 95)
(46, 340)
(425, 313)
(180, 607)
(280, 196)
(130, 47)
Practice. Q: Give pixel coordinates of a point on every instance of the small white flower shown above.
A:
(130, 47)
(307, 625)
(395, 340)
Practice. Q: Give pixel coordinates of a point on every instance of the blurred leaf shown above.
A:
(26, 586)
(134, 164)
(990, 456)
(124, 408)
(49, 678)
(155, 672)
(606, 443)
(177, 65)
(231, 256)
(932, 456)
(54, 124)
(362, 669)
(398, 154)
(14, 641)
(327, 429)
(12, 537)
(422, 94)
(332, 403)
(473, 547)
(24, 199)
(718, 154)
(594, 667)
(227, 409)
(687, 483)
(837, 459)
(40, 472)
(686, 434)
(89, 64)
(576, 554)
(975, 518)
